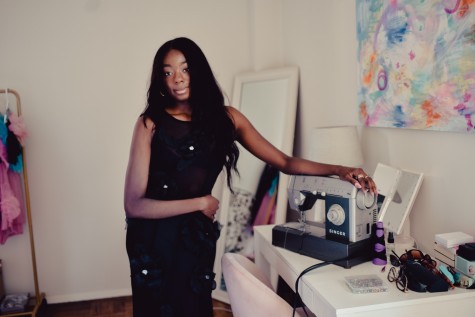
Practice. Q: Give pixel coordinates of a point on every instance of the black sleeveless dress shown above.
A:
(171, 259)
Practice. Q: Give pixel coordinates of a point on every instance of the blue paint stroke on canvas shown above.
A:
(416, 64)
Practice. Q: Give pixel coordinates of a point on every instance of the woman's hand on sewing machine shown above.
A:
(358, 177)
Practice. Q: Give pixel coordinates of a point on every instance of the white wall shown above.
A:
(82, 68)
(320, 37)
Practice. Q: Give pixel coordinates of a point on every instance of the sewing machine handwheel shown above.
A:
(365, 200)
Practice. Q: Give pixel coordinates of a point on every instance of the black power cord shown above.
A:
(310, 268)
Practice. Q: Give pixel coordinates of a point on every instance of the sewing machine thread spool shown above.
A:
(379, 257)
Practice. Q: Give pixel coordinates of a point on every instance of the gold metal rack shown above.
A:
(35, 304)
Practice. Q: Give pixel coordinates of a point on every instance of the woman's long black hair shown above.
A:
(207, 101)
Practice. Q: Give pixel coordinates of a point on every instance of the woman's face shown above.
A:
(177, 77)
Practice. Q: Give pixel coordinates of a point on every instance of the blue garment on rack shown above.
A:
(14, 148)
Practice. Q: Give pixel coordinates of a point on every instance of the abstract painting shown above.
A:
(416, 64)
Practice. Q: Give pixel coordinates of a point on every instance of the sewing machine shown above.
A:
(349, 216)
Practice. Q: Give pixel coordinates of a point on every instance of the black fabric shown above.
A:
(421, 279)
(171, 259)
(467, 251)
(14, 148)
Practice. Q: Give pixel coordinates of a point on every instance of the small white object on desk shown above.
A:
(453, 239)
(362, 284)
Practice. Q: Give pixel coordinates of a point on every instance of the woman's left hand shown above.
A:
(359, 178)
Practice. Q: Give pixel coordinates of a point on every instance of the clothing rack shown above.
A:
(35, 303)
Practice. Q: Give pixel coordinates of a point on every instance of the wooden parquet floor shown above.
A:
(111, 307)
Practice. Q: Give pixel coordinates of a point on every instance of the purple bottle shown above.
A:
(379, 255)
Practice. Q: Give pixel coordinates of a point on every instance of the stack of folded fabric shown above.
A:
(456, 251)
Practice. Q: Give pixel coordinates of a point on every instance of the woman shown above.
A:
(180, 144)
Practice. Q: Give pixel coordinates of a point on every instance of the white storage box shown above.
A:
(464, 266)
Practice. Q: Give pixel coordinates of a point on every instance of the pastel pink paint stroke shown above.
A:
(462, 109)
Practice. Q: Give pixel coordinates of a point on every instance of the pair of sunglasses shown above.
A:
(418, 256)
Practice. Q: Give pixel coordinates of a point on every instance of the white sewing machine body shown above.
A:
(349, 212)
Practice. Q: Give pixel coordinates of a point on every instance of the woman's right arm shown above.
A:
(135, 203)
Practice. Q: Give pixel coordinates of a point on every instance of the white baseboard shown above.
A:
(77, 297)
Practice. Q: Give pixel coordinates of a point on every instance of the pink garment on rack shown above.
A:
(17, 126)
(12, 216)
(265, 214)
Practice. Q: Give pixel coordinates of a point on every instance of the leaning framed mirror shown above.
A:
(268, 98)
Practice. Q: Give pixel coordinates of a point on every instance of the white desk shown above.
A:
(325, 293)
